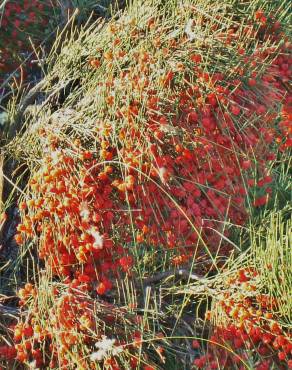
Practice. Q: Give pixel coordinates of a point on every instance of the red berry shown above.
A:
(252, 82)
(246, 164)
(101, 289)
(282, 356)
(195, 344)
(193, 117)
(235, 110)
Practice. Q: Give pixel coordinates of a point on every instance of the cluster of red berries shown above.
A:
(73, 214)
(8, 352)
(173, 157)
(75, 322)
(250, 330)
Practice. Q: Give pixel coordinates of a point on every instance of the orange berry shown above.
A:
(95, 63)
(101, 289)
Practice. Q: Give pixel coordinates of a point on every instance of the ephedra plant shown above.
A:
(166, 144)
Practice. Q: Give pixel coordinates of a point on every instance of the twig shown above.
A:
(9, 311)
(14, 185)
(28, 99)
(66, 8)
(184, 273)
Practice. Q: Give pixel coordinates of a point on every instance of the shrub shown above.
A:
(165, 144)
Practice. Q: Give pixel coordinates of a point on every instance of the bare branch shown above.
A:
(183, 273)
(9, 311)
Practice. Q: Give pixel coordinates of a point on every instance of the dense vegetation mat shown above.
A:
(154, 196)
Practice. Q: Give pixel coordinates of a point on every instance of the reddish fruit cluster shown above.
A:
(73, 213)
(251, 329)
(171, 159)
(7, 352)
(75, 322)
